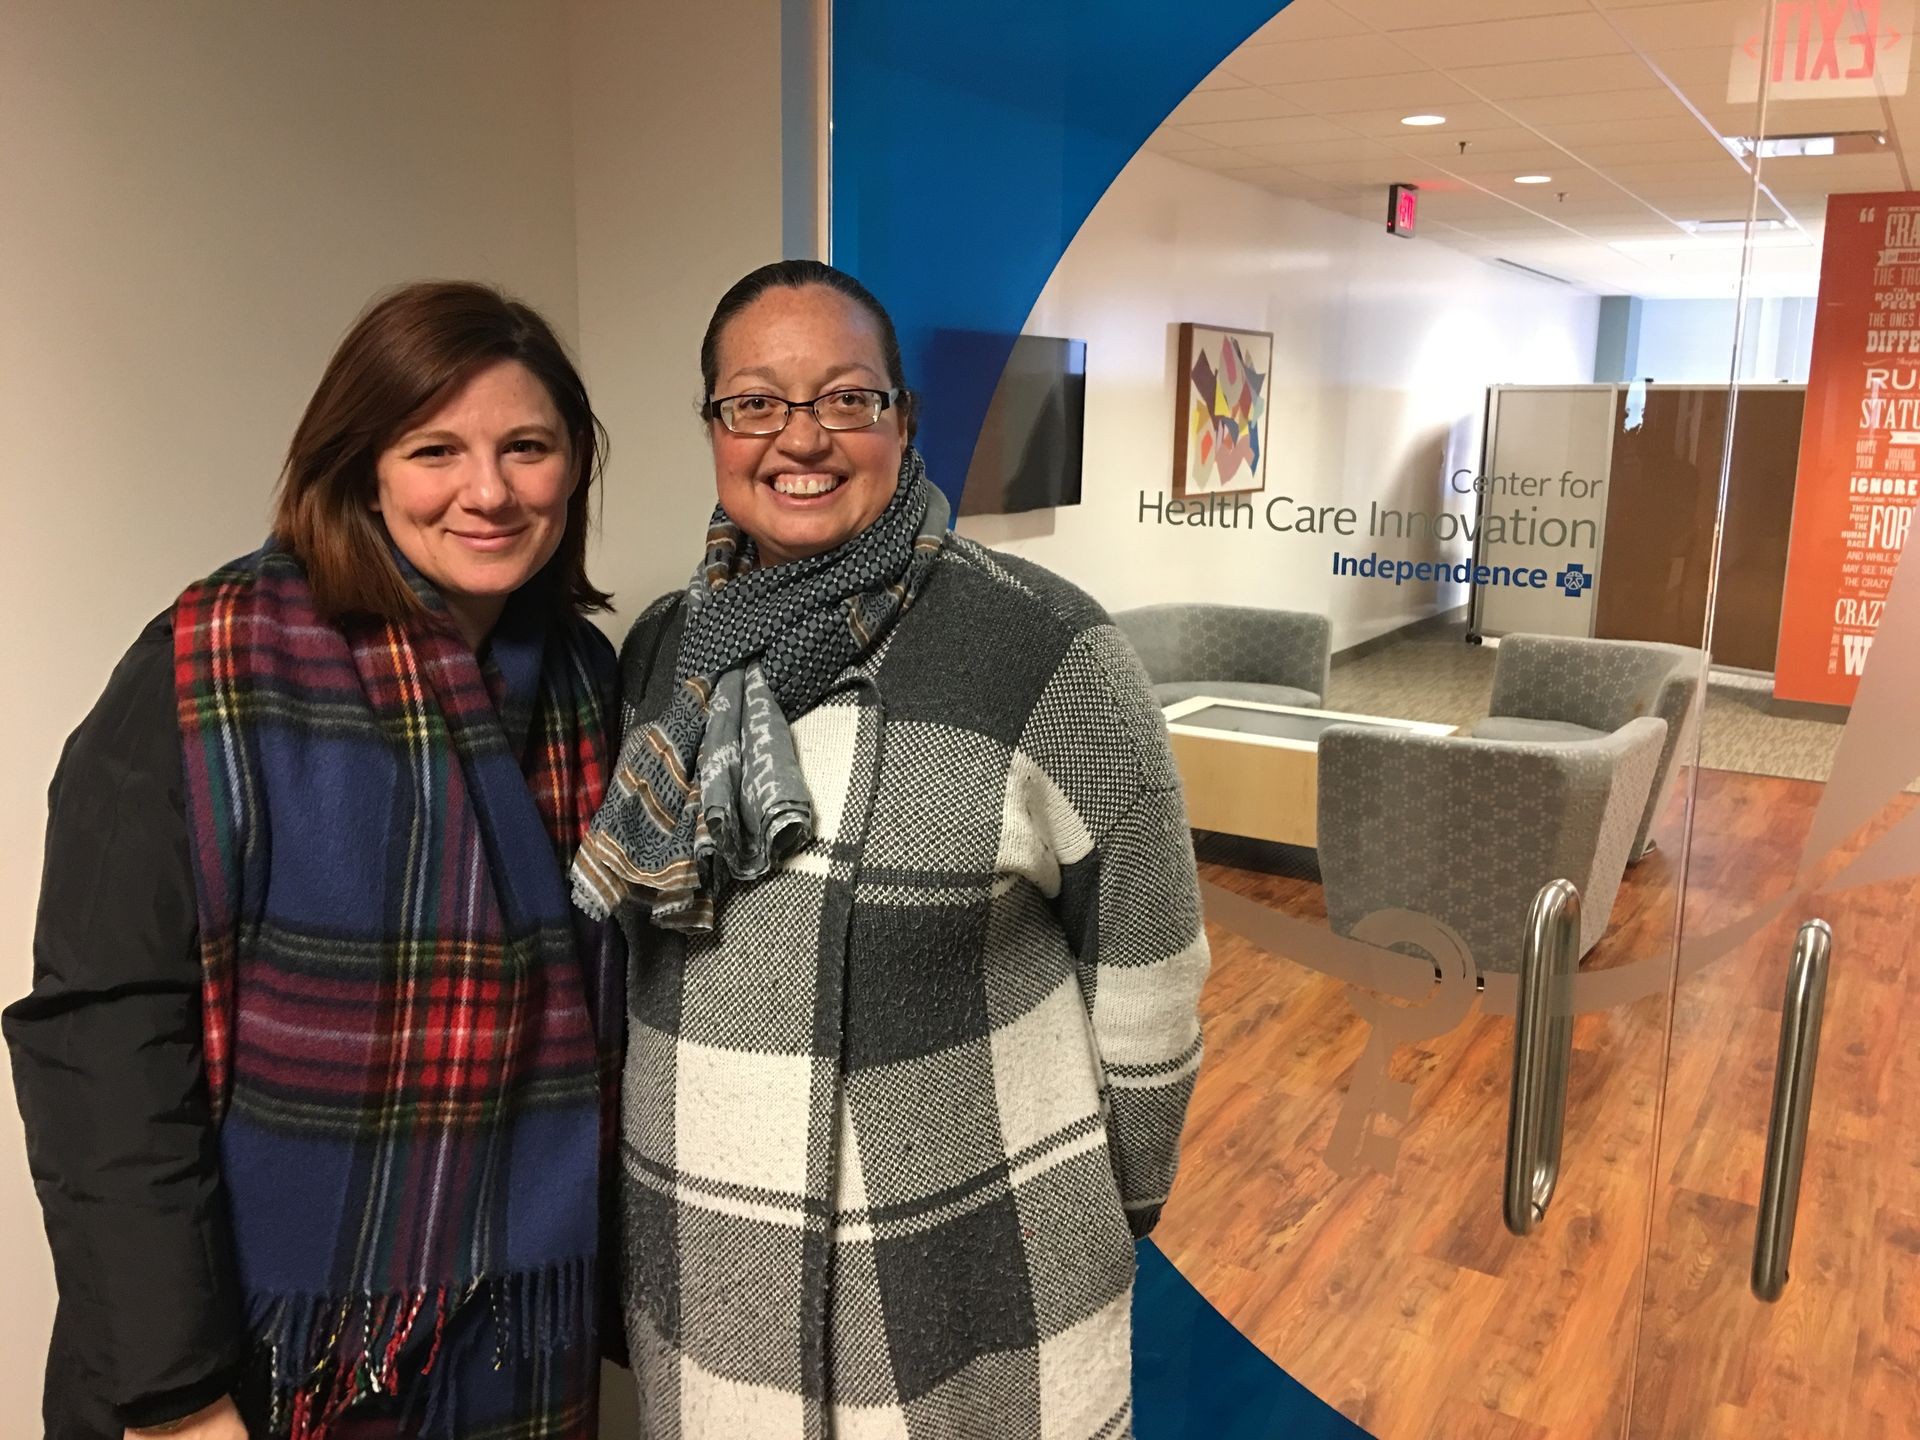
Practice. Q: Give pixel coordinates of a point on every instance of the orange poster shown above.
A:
(1859, 447)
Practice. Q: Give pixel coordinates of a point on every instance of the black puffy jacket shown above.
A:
(107, 1067)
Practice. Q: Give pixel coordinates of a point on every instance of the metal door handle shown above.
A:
(1793, 1073)
(1542, 1051)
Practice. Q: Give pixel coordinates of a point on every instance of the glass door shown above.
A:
(1779, 1298)
(1421, 1155)
(1368, 362)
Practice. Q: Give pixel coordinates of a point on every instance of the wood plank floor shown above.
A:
(1839, 1354)
(1403, 1301)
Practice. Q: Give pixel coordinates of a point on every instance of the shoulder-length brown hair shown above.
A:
(410, 351)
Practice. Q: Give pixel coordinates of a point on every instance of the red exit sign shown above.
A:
(1403, 209)
(1824, 49)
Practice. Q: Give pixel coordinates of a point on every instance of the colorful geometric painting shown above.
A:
(1220, 439)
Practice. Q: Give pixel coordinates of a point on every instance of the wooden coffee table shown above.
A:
(1254, 769)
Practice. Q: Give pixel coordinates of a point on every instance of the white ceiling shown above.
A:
(1620, 101)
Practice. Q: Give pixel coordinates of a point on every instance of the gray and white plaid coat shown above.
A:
(890, 1129)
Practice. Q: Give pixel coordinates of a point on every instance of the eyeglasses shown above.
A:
(768, 414)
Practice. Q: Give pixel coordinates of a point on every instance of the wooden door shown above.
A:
(1837, 1353)
(1657, 561)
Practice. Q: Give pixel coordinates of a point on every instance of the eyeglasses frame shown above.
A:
(888, 398)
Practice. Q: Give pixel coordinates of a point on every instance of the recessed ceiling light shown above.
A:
(1533, 179)
(1423, 119)
(1700, 244)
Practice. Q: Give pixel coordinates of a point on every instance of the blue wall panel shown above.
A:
(1195, 1377)
(970, 140)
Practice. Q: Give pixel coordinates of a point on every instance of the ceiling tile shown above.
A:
(1692, 202)
(1590, 206)
(1219, 159)
(1648, 228)
(1514, 224)
(1583, 135)
(1417, 90)
(1809, 212)
(1400, 15)
(1309, 110)
(1345, 59)
(1463, 116)
(1536, 198)
(1702, 72)
(1280, 179)
(1221, 78)
(1172, 140)
(1700, 148)
(1390, 171)
(1834, 172)
(1797, 197)
(1446, 144)
(1680, 24)
(1546, 37)
(1595, 75)
(1498, 171)
(1307, 20)
(1247, 103)
(1280, 130)
(1490, 213)
(1653, 101)
(1724, 171)
(1796, 117)
(1458, 196)
(1305, 152)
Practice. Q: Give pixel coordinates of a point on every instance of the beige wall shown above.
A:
(198, 197)
(678, 175)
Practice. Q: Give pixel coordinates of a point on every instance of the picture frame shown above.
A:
(1222, 416)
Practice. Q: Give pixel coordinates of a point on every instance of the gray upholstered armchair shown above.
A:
(1237, 652)
(1551, 687)
(1468, 831)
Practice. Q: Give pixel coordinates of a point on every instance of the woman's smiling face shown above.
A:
(475, 494)
(805, 490)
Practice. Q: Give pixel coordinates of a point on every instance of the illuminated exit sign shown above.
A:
(1822, 50)
(1403, 209)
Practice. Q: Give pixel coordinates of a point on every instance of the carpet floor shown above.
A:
(1437, 676)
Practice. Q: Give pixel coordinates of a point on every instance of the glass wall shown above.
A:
(1438, 398)
(1779, 1286)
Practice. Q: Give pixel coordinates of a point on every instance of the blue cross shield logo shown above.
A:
(1573, 580)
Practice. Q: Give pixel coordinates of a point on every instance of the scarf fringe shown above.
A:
(328, 1354)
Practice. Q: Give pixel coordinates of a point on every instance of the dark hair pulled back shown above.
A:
(795, 275)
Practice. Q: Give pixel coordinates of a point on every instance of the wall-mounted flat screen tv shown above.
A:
(1029, 453)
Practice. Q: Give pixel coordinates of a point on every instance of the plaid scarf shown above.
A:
(410, 1036)
(711, 791)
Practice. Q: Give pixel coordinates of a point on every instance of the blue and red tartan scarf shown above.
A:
(411, 1036)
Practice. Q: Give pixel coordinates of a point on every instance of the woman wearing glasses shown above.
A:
(912, 1015)
(317, 1068)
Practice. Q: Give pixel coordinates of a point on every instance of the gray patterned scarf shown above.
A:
(712, 790)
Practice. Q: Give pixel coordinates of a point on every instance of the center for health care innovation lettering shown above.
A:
(1286, 515)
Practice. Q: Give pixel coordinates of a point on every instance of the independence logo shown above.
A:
(1571, 582)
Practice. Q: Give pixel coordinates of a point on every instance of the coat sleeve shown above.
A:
(107, 1065)
(1130, 903)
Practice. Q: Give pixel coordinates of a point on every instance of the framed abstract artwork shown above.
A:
(1221, 425)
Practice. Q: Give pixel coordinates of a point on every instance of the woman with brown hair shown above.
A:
(318, 1063)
